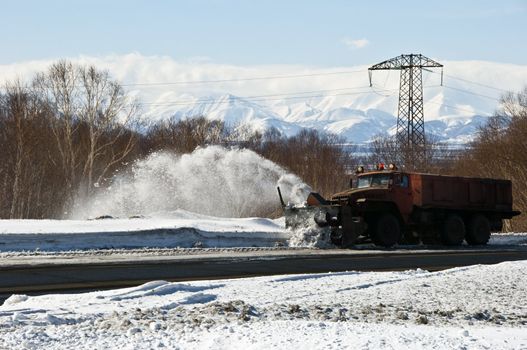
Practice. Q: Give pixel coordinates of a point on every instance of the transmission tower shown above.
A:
(410, 134)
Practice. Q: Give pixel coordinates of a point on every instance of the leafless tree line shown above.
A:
(432, 157)
(500, 151)
(60, 136)
(319, 159)
(66, 133)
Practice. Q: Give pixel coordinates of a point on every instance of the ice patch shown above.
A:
(159, 288)
(15, 299)
(18, 317)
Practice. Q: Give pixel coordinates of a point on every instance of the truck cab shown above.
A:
(372, 190)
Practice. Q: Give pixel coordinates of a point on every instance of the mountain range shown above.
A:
(338, 100)
(356, 118)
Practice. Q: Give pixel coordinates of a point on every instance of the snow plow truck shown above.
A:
(388, 206)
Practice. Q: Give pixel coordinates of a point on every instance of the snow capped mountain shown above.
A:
(338, 100)
(358, 120)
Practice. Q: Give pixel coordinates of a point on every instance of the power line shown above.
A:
(275, 97)
(208, 99)
(270, 77)
(459, 109)
(261, 98)
(378, 93)
(471, 93)
(291, 76)
(287, 96)
(473, 82)
(214, 81)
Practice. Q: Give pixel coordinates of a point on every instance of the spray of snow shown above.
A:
(311, 235)
(214, 181)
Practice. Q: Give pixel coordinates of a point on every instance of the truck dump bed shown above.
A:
(454, 192)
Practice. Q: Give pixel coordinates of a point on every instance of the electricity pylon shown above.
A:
(410, 134)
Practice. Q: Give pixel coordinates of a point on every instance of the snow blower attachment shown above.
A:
(387, 206)
(322, 213)
(306, 214)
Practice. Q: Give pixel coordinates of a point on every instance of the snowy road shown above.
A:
(40, 255)
(61, 272)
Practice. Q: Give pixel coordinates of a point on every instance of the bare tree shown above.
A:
(58, 87)
(386, 149)
(106, 110)
(500, 151)
(24, 160)
(93, 114)
(319, 159)
(183, 136)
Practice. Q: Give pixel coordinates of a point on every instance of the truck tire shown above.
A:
(478, 232)
(453, 232)
(336, 236)
(387, 230)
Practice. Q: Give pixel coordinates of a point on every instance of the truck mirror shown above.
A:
(351, 183)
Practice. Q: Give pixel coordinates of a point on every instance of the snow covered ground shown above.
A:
(181, 229)
(476, 307)
(472, 307)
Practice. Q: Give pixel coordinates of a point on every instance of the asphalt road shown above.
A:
(35, 275)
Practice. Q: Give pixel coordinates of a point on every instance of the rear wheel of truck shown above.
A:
(453, 232)
(387, 230)
(336, 236)
(478, 232)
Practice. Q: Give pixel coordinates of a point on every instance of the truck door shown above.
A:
(403, 194)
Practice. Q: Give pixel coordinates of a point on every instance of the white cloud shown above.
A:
(355, 43)
(135, 68)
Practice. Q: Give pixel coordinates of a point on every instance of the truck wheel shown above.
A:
(336, 236)
(410, 237)
(478, 230)
(453, 231)
(387, 231)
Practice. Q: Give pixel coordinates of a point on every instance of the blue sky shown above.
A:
(318, 33)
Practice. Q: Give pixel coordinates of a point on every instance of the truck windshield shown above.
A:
(376, 180)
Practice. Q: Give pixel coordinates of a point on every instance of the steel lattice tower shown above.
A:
(410, 120)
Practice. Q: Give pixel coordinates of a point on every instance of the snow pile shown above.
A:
(176, 229)
(213, 181)
(311, 236)
(470, 307)
(509, 238)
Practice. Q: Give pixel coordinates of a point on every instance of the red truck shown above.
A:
(391, 206)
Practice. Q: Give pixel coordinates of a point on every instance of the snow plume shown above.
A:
(311, 236)
(213, 181)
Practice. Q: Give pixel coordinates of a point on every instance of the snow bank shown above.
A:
(470, 307)
(213, 181)
(177, 229)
